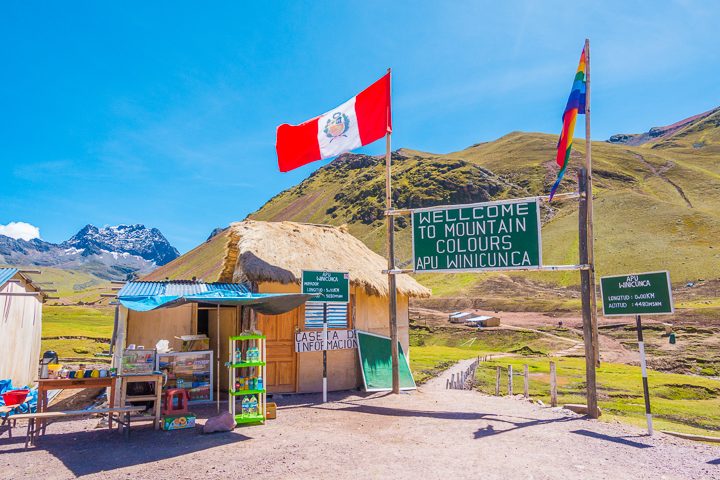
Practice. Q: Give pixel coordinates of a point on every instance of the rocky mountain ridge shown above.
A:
(114, 253)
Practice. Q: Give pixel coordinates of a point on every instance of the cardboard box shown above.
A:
(194, 343)
(178, 422)
(271, 411)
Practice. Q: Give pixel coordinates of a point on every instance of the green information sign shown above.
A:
(502, 235)
(331, 286)
(637, 294)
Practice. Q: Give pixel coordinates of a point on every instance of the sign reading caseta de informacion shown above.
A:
(312, 341)
(502, 235)
(637, 294)
(330, 286)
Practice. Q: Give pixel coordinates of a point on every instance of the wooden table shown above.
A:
(156, 398)
(46, 384)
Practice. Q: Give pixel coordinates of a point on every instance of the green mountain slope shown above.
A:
(656, 204)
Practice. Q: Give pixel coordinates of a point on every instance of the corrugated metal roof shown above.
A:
(6, 274)
(177, 287)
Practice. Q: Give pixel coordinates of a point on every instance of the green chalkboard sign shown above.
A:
(502, 235)
(330, 287)
(637, 294)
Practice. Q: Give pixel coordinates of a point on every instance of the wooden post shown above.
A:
(510, 385)
(585, 288)
(324, 343)
(497, 381)
(553, 385)
(526, 386)
(589, 206)
(392, 287)
(217, 361)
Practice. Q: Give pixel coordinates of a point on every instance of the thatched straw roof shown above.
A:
(278, 252)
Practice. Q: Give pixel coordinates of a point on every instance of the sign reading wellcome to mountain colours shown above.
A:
(502, 235)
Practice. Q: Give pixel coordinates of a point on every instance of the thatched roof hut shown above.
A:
(255, 251)
(270, 256)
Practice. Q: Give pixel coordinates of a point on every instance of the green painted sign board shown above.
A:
(637, 294)
(331, 287)
(502, 235)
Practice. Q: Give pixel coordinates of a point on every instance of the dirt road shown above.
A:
(428, 434)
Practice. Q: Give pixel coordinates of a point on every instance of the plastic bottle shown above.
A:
(259, 383)
(245, 406)
(253, 406)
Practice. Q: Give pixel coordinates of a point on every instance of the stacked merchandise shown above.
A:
(246, 374)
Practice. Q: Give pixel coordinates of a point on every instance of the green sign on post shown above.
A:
(502, 235)
(332, 287)
(637, 294)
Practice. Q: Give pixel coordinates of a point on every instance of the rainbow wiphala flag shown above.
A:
(575, 105)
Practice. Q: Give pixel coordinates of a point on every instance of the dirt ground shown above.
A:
(432, 433)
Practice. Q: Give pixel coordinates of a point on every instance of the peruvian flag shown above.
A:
(357, 122)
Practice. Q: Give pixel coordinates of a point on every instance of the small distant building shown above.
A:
(20, 327)
(473, 320)
(268, 257)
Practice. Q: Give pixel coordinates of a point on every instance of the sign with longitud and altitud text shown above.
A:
(329, 286)
(503, 235)
(637, 294)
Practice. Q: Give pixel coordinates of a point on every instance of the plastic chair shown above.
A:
(175, 401)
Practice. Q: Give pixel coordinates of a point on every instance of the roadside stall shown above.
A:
(269, 258)
(163, 314)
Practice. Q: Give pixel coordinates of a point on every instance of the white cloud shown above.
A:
(20, 230)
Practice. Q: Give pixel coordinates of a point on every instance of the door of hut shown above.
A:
(281, 357)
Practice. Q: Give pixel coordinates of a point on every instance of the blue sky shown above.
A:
(164, 113)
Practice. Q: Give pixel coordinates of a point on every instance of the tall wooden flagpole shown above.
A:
(590, 230)
(392, 288)
(587, 277)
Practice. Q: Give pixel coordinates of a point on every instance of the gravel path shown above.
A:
(432, 433)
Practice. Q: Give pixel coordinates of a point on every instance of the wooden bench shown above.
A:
(38, 421)
(6, 421)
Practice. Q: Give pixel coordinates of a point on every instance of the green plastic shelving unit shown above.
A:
(258, 368)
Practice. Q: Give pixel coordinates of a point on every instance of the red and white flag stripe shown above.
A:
(357, 122)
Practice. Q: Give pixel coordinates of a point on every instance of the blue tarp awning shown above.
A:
(265, 303)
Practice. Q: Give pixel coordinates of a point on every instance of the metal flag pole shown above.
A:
(589, 206)
(643, 367)
(392, 288)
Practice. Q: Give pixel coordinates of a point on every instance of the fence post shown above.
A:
(553, 385)
(510, 385)
(497, 382)
(526, 386)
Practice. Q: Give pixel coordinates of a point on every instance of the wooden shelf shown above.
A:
(140, 398)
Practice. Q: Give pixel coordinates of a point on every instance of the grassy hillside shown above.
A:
(656, 205)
